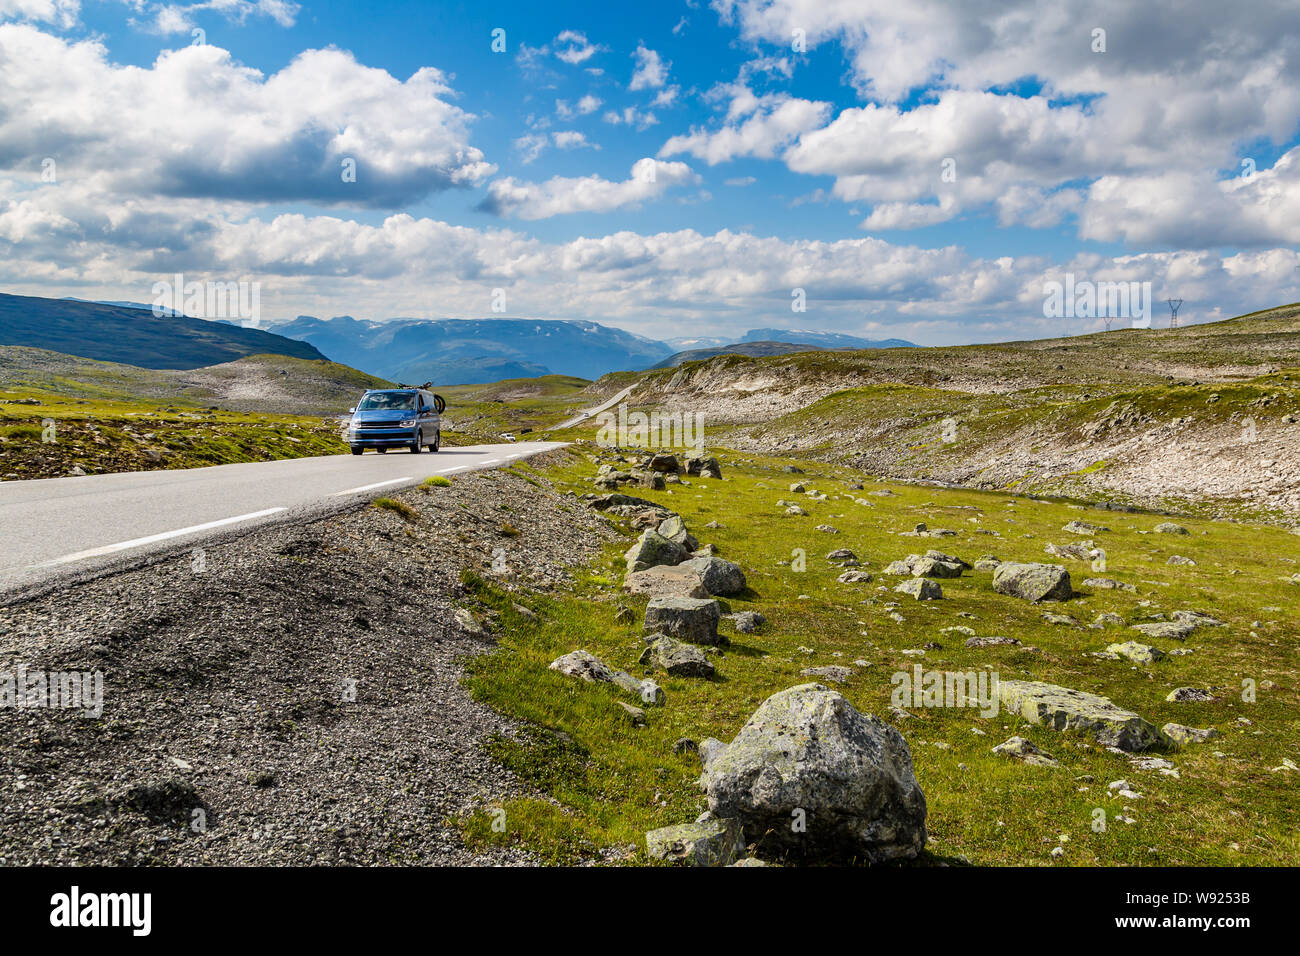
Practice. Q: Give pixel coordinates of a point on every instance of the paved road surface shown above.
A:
(583, 416)
(53, 529)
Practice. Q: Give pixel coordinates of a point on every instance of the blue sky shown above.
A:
(921, 170)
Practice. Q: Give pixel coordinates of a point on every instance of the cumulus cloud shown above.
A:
(573, 47)
(62, 13)
(1178, 93)
(754, 125)
(651, 71)
(198, 124)
(561, 195)
(169, 18)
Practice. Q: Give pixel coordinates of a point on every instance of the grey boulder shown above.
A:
(1033, 582)
(807, 755)
(688, 619)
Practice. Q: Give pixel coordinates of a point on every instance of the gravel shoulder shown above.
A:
(294, 698)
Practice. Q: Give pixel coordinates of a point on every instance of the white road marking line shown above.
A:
(137, 542)
(377, 484)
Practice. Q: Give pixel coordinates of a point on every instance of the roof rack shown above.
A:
(425, 385)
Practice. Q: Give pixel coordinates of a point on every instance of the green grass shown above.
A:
(436, 481)
(610, 782)
(401, 508)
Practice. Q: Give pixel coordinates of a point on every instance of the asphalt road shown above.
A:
(58, 530)
(584, 415)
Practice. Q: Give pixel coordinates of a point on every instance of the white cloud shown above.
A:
(630, 116)
(170, 18)
(573, 47)
(760, 126)
(651, 72)
(572, 139)
(61, 13)
(196, 123)
(561, 195)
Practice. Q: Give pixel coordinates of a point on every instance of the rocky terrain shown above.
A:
(291, 696)
(1203, 418)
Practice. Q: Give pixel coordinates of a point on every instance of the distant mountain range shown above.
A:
(443, 351)
(474, 351)
(130, 336)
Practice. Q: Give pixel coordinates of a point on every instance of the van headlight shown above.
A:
(407, 424)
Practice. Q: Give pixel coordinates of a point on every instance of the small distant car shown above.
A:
(508, 437)
(404, 417)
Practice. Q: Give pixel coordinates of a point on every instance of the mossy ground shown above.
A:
(605, 782)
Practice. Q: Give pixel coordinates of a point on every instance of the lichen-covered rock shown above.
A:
(807, 753)
(1180, 734)
(674, 529)
(992, 642)
(1169, 527)
(897, 568)
(1168, 630)
(1083, 527)
(988, 562)
(854, 577)
(1107, 619)
(666, 581)
(831, 672)
(704, 467)
(926, 567)
(715, 842)
(665, 463)
(651, 550)
(1196, 619)
(1033, 582)
(1063, 708)
(1109, 584)
(591, 668)
(676, 657)
(688, 619)
(747, 622)
(922, 589)
(1183, 695)
(1018, 748)
(718, 575)
(1138, 653)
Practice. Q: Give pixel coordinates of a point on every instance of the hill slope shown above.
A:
(1204, 417)
(133, 336)
(275, 384)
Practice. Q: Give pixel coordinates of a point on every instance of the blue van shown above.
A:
(404, 417)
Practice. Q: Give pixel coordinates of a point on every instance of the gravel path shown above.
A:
(296, 700)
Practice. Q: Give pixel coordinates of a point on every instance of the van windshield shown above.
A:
(394, 400)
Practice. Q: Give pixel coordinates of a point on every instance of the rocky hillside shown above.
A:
(1201, 417)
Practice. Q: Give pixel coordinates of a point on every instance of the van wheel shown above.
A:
(417, 445)
(382, 450)
(437, 440)
(357, 449)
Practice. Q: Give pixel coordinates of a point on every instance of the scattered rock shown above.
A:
(666, 581)
(854, 577)
(1138, 653)
(635, 715)
(1179, 559)
(1183, 695)
(807, 749)
(1033, 582)
(1169, 527)
(653, 549)
(922, 589)
(992, 642)
(1181, 734)
(747, 622)
(832, 672)
(1108, 584)
(1063, 708)
(591, 668)
(1023, 750)
(718, 575)
(1083, 527)
(716, 842)
(689, 619)
(676, 657)
(674, 529)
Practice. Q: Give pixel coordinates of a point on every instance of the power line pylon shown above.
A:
(1174, 305)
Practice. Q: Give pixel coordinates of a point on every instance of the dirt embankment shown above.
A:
(291, 698)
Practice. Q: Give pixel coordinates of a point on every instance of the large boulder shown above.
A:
(806, 756)
(1137, 653)
(932, 568)
(666, 580)
(1033, 582)
(664, 462)
(719, 576)
(922, 589)
(674, 529)
(689, 619)
(1063, 708)
(588, 667)
(709, 842)
(653, 549)
(676, 657)
(704, 466)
